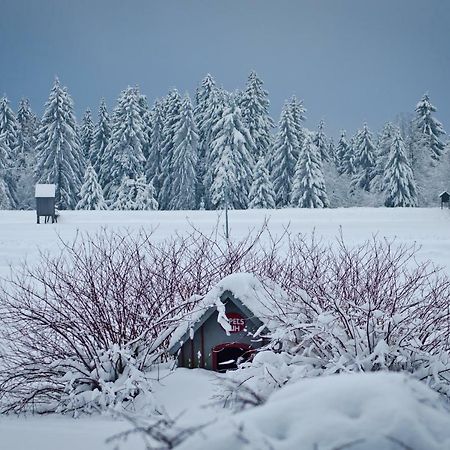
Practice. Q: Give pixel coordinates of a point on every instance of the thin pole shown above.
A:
(227, 232)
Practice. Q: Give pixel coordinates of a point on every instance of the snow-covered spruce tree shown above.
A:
(308, 186)
(261, 194)
(320, 140)
(172, 105)
(102, 134)
(428, 132)
(144, 110)
(399, 185)
(184, 164)
(58, 156)
(7, 200)
(383, 150)
(153, 165)
(220, 100)
(135, 195)
(365, 159)
(86, 135)
(203, 112)
(283, 161)
(298, 118)
(345, 158)
(27, 123)
(123, 155)
(254, 105)
(91, 193)
(232, 151)
(8, 126)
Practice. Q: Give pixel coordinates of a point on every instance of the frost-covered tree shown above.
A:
(144, 111)
(123, 156)
(135, 194)
(91, 193)
(7, 200)
(320, 140)
(283, 160)
(58, 156)
(102, 134)
(185, 157)
(345, 158)
(153, 165)
(8, 126)
(262, 194)
(254, 104)
(399, 184)
(86, 135)
(383, 149)
(308, 187)
(365, 159)
(172, 105)
(298, 111)
(25, 154)
(219, 102)
(428, 133)
(232, 150)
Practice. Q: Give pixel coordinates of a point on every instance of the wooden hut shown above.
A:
(227, 325)
(445, 199)
(45, 202)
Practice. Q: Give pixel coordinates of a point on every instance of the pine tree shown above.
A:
(7, 200)
(203, 112)
(137, 195)
(261, 194)
(86, 135)
(154, 160)
(298, 118)
(345, 159)
(220, 100)
(308, 189)
(8, 126)
(254, 105)
(58, 156)
(91, 194)
(123, 156)
(100, 140)
(365, 159)
(427, 134)
(171, 117)
(232, 149)
(144, 112)
(383, 150)
(184, 159)
(283, 160)
(320, 140)
(399, 180)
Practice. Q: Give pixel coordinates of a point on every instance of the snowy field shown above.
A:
(185, 391)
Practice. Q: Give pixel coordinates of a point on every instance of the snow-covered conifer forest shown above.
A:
(189, 154)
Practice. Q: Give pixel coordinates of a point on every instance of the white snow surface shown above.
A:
(324, 406)
(359, 411)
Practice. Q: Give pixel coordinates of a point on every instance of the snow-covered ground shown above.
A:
(191, 392)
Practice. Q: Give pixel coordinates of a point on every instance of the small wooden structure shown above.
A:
(445, 198)
(203, 340)
(45, 202)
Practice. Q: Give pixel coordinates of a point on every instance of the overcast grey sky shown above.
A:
(351, 60)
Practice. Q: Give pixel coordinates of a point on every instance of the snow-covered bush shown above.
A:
(370, 307)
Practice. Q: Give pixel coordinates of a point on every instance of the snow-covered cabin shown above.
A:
(229, 323)
(45, 202)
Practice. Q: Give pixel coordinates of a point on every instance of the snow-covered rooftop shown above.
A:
(261, 298)
(45, 190)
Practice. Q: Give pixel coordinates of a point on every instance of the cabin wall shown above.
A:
(198, 351)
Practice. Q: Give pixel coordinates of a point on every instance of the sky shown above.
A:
(351, 61)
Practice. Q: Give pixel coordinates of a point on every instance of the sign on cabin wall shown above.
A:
(237, 322)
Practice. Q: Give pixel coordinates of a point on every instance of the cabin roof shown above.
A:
(45, 190)
(259, 301)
